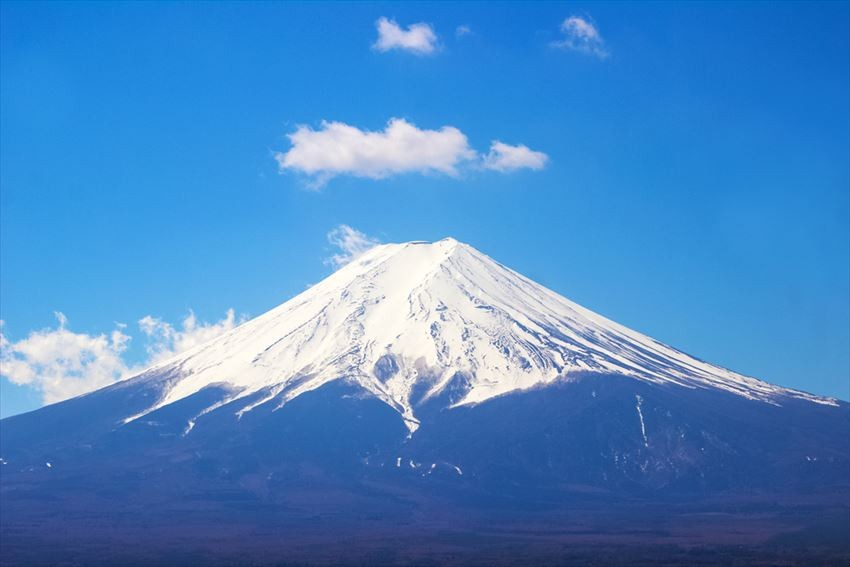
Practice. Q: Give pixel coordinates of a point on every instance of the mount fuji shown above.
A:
(426, 404)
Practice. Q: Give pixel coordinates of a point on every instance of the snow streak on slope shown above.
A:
(435, 316)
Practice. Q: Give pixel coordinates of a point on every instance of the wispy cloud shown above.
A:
(505, 158)
(351, 244)
(582, 35)
(166, 341)
(419, 39)
(462, 31)
(60, 363)
(340, 149)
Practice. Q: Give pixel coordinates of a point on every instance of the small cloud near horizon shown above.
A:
(59, 363)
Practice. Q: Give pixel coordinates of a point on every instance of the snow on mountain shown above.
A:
(410, 321)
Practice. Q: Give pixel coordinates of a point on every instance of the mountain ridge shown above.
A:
(466, 315)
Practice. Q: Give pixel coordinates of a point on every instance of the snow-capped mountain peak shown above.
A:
(411, 322)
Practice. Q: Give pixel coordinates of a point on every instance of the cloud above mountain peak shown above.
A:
(337, 148)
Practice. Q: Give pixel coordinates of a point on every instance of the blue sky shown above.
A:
(695, 184)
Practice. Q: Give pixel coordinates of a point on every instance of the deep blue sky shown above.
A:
(697, 185)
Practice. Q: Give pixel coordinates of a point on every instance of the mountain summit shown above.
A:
(426, 405)
(409, 322)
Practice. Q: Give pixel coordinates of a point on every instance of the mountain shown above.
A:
(426, 404)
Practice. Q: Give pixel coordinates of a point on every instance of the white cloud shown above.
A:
(418, 38)
(60, 364)
(165, 341)
(351, 243)
(340, 149)
(504, 158)
(461, 31)
(581, 35)
(337, 148)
